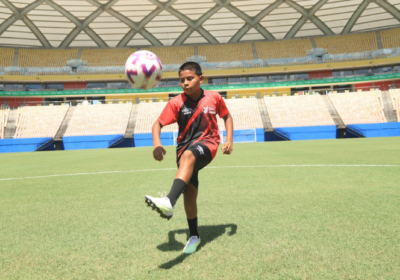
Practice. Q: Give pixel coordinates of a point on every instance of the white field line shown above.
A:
(210, 167)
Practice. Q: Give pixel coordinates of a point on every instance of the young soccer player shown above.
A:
(195, 111)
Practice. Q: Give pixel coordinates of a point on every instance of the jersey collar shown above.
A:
(201, 96)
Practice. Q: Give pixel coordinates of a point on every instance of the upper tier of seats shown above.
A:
(352, 43)
(106, 57)
(45, 58)
(390, 38)
(295, 111)
(147, 114)
(4, 112)
(39, 121)
(359, 107)
(6, 56)
(173, 55)
(283, 49)
(395, 96)
(99, 120)
(244, 112)
(228, 52)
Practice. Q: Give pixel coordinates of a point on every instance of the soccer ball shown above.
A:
(143, 69)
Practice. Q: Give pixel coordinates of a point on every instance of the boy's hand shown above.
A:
(227, 148)
(159, 153)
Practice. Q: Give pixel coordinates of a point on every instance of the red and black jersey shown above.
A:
(197, 120)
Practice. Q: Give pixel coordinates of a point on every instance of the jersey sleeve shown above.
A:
(169, 115)
(222, 110)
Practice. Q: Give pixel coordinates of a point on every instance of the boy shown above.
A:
(198, 140)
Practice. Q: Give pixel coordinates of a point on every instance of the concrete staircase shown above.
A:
(11, 127)
(334, 114)
(388, 110)
(64, 125)
(130, 128)
(254, 50)
(264, 115)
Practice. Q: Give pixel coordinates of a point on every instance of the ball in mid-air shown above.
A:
(143, 69)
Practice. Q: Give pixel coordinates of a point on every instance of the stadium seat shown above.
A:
(173, 55)
(99, 120)
(283, 49)
(43, 121)
(227, 52)
(362, 42)
(359, 107)
(6, 57)
(106, 57)
(295, 111)
(4, 113)
(390, 38)
(45, 57)
(395, 97)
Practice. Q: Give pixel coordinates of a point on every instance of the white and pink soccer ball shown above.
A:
(143, 69)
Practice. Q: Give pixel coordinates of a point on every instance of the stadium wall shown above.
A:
(304, 133)
(91, 142)
(374, 130)
(26, 145)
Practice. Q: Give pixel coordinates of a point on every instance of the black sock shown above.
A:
(177, 188)
(194, 229)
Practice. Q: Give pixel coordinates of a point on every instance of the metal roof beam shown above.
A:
(194, 25)
(307, 15)
(389, 8)
(43, 40)
(353, 19)
(207, 35)
(267, 10)
(84, 26)
(18, 15)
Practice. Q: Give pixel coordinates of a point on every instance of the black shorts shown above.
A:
(203, 157)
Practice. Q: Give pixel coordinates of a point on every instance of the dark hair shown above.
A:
(192, 66)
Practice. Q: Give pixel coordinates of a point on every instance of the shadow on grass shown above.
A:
(208, 234)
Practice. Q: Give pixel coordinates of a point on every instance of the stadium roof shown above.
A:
(128, 23)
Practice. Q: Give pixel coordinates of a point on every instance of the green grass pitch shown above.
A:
(284, 218)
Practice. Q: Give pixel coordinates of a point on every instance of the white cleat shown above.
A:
(160, 204)
(191, 245)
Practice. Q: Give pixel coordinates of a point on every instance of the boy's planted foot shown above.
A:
(191, 245)
(160, 204)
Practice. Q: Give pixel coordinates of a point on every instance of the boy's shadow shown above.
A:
(208, 234)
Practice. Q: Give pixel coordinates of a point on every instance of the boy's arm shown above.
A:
(159, 151)
(227, 147)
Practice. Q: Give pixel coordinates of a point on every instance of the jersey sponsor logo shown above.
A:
(200, 149)
(187, 111)
(209, 110)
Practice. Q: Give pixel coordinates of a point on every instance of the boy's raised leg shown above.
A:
(165, 205)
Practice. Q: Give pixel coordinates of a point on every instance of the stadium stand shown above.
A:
(39, 121)
(99, 120)
(359, 107)
(228, 52)
(4, 112)
(45, 57)
(362, 42)
(296, 111)
(395, 96)
(173, 55)
(390, 38)
(6, 57)
(148, 113)
(106, 57)
(245, 114)
(283, 49)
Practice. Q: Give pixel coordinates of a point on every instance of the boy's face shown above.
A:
(190, 82)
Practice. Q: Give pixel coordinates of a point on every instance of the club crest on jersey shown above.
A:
(209, 110)
(187, 111)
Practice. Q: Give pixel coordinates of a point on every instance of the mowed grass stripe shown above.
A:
(255, 223)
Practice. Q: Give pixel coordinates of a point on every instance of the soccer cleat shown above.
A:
(160, 204)
(191, 245)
